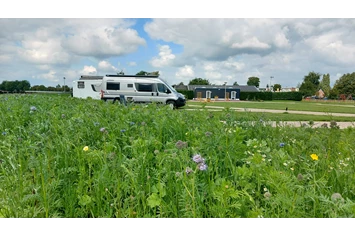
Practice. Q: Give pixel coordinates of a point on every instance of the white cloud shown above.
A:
(103, 42)
(281, 41)
(209, 66)
(50, 76)
(88, 70)
(212, 75)
(165, 57)
(132, 64)
(5, 59)
(250, 43)
(38, 51)
(107, 67)
(235, 66)
(332, 49)
(185, 72)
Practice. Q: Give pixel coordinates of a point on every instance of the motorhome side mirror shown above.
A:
(168, 91)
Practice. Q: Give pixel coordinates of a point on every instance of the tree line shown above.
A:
(312, 83)
(22, 86)
(344, 87)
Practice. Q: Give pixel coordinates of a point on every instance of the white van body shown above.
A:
(87, 86)
(134, 88)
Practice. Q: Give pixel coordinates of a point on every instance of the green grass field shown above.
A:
(67, 157)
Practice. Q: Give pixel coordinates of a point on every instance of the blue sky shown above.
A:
(44, 50)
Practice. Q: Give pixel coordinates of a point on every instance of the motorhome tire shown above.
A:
(171, 104)
(116, 99)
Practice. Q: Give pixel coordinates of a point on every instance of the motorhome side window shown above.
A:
(162, 88)
(81, 84)
(113, 86)
(144, 87)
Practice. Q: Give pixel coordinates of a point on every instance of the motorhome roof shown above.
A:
(150, 76)
(91, 77)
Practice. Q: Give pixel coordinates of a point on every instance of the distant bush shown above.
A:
(287, 96)
(255, 95)
(188, 94)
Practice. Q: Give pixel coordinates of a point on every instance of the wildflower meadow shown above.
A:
(67, 157)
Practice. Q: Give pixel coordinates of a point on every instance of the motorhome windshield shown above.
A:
(167, 84)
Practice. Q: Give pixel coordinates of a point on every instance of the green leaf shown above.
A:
(154, 200)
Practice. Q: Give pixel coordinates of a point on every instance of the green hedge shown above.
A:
(255, 95)
(188, 94)
(287, 96)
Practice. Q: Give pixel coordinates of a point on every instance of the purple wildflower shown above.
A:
(96, 124)
(198, 158)
(131, 123)
(33, 108)
(123, 130)
(63, 115)
(3, 133)
(202, 166)
(282, 144)
(180, 144)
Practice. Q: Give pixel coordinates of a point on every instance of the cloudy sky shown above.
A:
(44, 50)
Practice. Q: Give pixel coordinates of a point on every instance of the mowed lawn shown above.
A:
(316, 106)
(328, 107)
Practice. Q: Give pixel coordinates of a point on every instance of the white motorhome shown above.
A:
(133, 88)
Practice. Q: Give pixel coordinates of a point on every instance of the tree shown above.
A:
(310, 84)
(15, 86)
(199, 81)
(325, 84)
(277, 87)
(345, 84)
(142, 73)
(235, 84)
(156, 73)
(253, 81)
(24, 85)
(307, 88)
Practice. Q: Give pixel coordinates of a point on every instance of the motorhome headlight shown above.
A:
(181, 95)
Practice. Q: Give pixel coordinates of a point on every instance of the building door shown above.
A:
(234, 94)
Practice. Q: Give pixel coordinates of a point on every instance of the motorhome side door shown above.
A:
(162, 93)
(145, 92)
